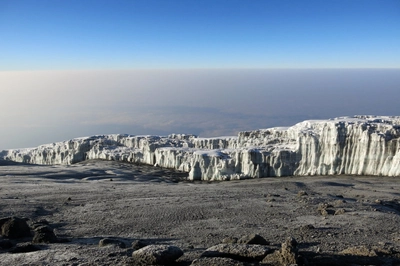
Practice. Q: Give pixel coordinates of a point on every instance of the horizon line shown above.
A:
(200, 68)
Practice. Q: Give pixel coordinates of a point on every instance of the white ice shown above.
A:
(359, 145)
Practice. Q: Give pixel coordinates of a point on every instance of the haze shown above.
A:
(42, 107)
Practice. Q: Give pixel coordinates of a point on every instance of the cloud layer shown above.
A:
(46, 106)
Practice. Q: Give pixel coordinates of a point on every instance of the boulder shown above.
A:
(14, 227)
(289, 251)
(44, 234)
(240, 252)
(156, 255)
(253, 239)
(287, 255)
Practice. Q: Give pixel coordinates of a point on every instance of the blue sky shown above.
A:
(72, 68)
(98, 34)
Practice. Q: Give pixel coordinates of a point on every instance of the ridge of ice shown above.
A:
(358, 145)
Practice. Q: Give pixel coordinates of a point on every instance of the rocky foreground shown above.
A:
(111, 213)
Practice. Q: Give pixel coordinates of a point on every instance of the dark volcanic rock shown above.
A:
(24, 247)
(156, 255)
(253, 239)
(5, 244)
(14, 227)
(4, 220)
(44, 234)
(108, 241)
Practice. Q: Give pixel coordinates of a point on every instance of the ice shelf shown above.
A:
(359, 145)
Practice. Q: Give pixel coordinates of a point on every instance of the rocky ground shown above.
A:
(97, 209)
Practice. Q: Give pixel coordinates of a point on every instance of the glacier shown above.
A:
(357, 145)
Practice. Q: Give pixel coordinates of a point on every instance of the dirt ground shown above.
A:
(92, 200)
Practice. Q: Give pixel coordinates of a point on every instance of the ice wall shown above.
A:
(360, 145)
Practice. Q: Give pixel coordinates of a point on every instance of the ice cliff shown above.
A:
(359, 145)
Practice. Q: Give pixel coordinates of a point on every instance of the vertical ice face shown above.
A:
(360, 145)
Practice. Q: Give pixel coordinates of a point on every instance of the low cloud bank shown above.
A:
(47, 106)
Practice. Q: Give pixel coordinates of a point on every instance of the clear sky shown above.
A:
(115, 34)
(72, 68)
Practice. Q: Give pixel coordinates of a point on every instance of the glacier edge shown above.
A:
(358, 145)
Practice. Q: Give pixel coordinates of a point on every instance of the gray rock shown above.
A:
(156, 255)
(108, 241)
(217, 261)
(359, 251)
(253, 239)
(230, 240)
(44, 234)
(240, 252)
(340, 211)
(324, 210)
(287, 255)
(14, 227)
(289, 251)
(339, 203)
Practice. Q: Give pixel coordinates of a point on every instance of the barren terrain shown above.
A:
(89, 201)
